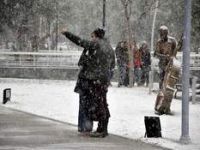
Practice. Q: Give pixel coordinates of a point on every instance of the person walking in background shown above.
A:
(121, 52)
(146, 63)
(97, 73)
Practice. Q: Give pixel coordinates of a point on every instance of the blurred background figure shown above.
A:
(122, 62)
(146, 63)
(137, 62)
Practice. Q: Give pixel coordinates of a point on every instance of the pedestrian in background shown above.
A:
(121, 52)
(146, 63)
(137, 62)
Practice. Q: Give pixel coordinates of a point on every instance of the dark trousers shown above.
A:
(137, 75)
(145, 76)
(102, 113)
(103, 126)
(123, 74)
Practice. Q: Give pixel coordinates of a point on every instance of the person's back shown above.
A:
(146, 58)
(102, 61)
(122, 53)
(106, 57)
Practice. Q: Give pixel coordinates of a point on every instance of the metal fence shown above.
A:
(67, 59)
(194, 61)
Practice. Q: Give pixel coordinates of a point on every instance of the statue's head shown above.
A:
(163, 32)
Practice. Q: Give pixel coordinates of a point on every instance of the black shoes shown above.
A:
(98, 134)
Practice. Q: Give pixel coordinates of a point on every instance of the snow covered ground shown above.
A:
(128, 106)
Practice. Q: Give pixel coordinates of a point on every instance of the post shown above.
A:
(56, 25)
(151, 73)
(185, 139)
(194, 82)
(104, 14)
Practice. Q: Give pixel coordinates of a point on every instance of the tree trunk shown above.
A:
(129, 39)
(104, 14)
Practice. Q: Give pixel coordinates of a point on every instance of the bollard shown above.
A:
(6, 95)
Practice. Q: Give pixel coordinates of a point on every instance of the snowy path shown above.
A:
(56, 99)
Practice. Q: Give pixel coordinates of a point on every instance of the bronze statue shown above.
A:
(165, 50)
(169, 70)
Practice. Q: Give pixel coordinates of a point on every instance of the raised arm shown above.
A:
(80, 42)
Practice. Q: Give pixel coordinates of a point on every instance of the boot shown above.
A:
(105, 127)
(102, 130)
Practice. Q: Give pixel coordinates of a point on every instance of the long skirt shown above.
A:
(85, 124)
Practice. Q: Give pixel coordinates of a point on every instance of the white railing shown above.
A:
(67, 59)
(194, 61)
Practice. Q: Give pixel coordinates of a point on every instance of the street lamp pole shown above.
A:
(186, 73)
(56, 25)
(151, 73)
(104, 14)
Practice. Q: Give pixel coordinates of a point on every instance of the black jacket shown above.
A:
(146, 59)
(121, 55)
(99, 60)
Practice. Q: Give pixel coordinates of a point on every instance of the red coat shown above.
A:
(137, 59)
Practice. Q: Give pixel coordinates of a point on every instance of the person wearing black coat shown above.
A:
(146, 63)
(94, 78)
(121, 52)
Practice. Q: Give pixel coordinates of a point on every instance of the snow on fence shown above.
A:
(67, 59)
(195, 90)
(194, 61)
(194, 66)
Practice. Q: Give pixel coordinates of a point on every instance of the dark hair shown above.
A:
(99, 33)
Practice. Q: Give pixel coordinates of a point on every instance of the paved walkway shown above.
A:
(21, 131)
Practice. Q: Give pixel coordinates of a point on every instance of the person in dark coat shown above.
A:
(146, 63)
(121, 52)
(99, 63)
